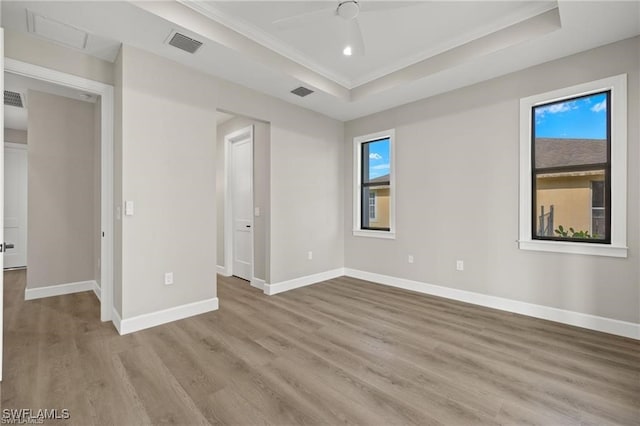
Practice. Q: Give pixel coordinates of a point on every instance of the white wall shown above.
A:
(261, 191)
(457, 194)
(60, 150)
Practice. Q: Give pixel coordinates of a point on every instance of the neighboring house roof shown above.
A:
(380, 179)
(553, 152)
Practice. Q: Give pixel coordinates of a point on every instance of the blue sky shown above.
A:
(378, 158)
(583, 118)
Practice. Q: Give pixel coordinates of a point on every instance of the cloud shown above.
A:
(556, 108)
(381, 167)
(375, 156)
(600, 106)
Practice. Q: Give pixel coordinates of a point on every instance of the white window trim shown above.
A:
(618, 247)
(357, 205)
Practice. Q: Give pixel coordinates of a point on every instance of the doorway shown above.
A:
(239, 205)
(103, 94)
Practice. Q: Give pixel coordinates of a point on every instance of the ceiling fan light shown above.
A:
(347, 51)
(348, 9)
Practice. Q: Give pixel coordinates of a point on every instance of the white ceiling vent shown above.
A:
(183, 42)
(302, 91)
(14, 99)
(56, 31)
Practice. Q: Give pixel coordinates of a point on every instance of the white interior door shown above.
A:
(241, 191)
(15, 205)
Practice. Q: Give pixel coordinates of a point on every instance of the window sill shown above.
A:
(374, 234)
(574, 248)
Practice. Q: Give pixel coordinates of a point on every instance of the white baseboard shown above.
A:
(222, 271)
(271, 289)
(592, 322)
(257, 283)
(97, 290)
(140, 322)
(59, 289)
(116, 320)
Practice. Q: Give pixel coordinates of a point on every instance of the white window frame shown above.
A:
(357, 179)
(618, 246)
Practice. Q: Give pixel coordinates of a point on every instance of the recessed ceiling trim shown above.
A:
(197, 23)
(265, 39)
(519, 16)
(499, 40)
(242, 27)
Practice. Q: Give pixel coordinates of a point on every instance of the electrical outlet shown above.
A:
(410, 259)
(459, 265)
(310, 255)
(168, 278)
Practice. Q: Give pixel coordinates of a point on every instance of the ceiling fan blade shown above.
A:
(355, 39)
(375, 6)
(309, 18)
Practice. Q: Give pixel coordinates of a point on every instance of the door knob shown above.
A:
(6, 246)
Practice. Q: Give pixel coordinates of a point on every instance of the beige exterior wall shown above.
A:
(382, 209)
(571, 198)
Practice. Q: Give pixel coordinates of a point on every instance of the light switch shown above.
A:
(256, 211)
(128, 208)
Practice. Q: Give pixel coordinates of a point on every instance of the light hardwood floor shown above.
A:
(343, 351)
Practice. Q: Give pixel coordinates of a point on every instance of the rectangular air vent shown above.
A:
(183, 42)
(302, 91)
(13, 99)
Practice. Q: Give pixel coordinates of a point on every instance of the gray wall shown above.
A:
(168, 152)
(15, 136)
(157, 139)
(262, 160)
(97, 190)
(457, 165)
(60, 153)
(117, 185)
(306, 183)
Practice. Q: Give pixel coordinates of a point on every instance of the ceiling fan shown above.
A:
(348, 10)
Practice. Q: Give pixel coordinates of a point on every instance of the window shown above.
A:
(571, 152)
(573, 169)
(374, 195)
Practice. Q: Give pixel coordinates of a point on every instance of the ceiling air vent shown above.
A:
(183, 42)
(13, 99)
(302, 91)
